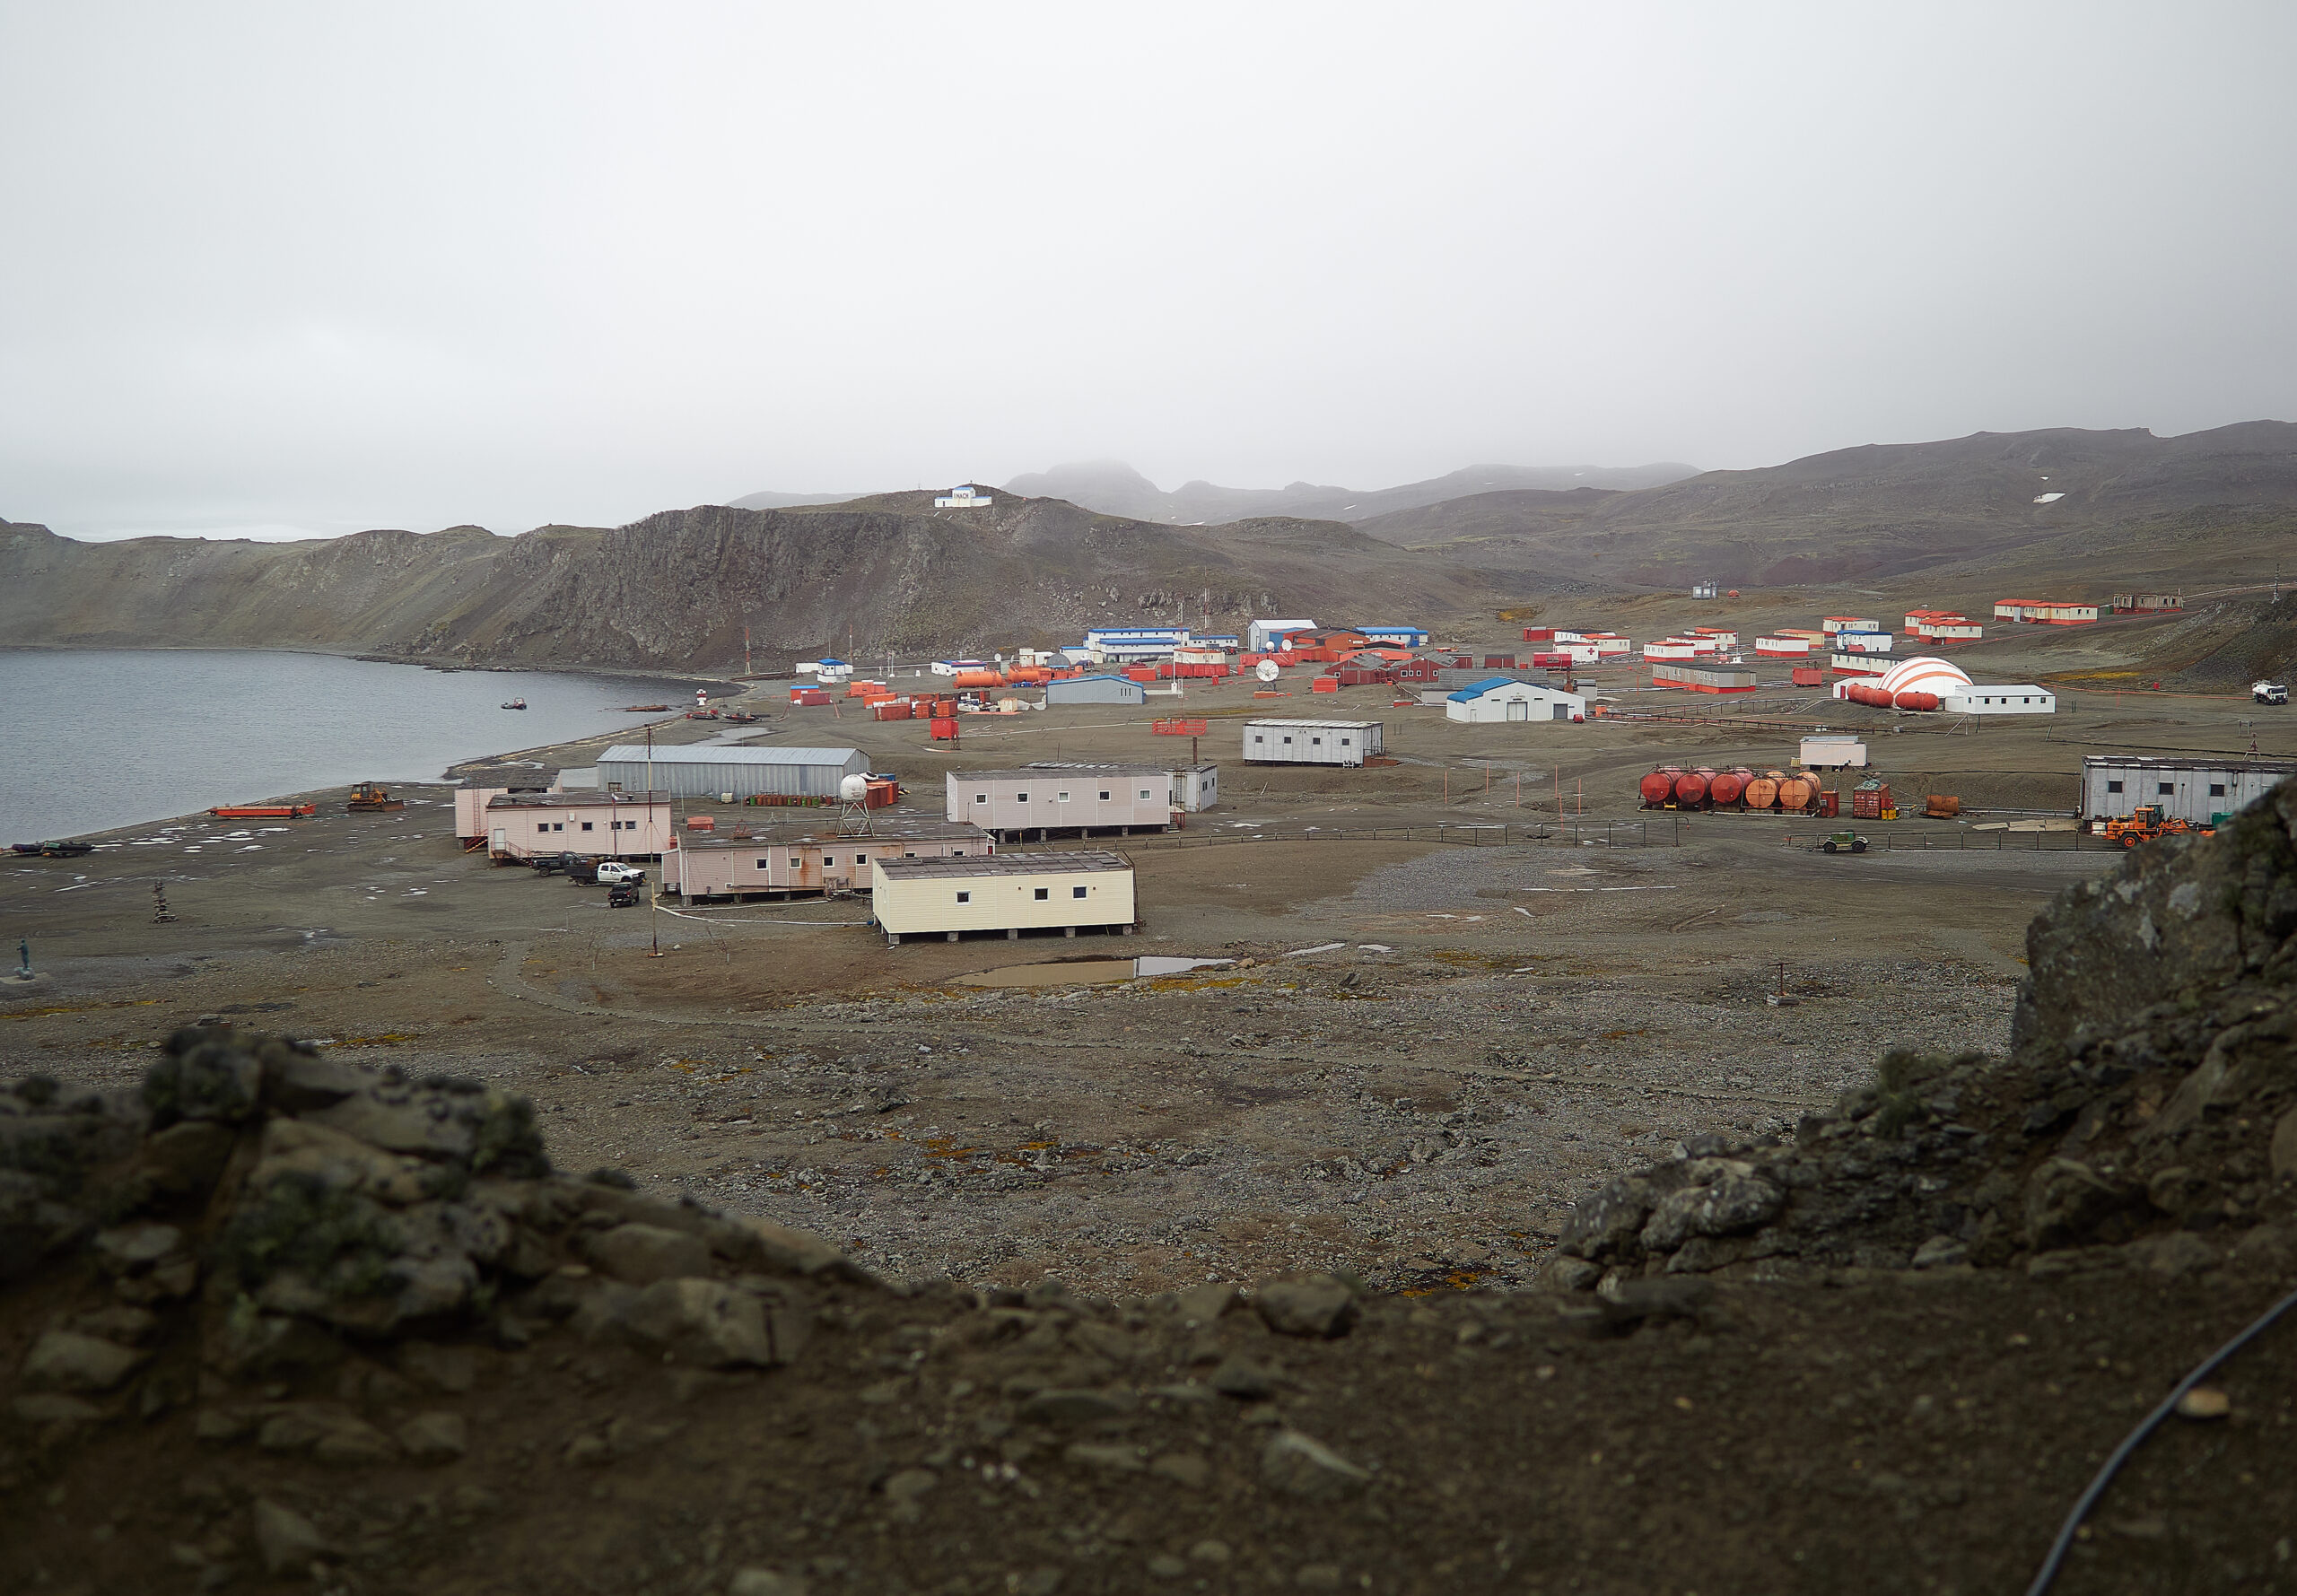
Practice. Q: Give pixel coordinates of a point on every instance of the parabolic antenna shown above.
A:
(1265, 671)
(853, 789)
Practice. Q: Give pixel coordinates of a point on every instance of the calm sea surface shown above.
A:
(104, 738)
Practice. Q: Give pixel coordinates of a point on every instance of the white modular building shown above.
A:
(1078, 799)
(964, 496)
(2190, 790)
(1007, 893)
(1311, 742)
(1503, 699)
(1992, 698)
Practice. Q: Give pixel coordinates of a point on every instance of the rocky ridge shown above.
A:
(2146, 1118)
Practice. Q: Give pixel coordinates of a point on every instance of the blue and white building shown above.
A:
(1120, 645)
(1504, 698)
(1399, 637)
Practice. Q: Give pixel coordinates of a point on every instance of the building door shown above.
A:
(1519, 708)
(501, 843)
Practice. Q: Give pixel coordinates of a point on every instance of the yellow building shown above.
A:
(1010, 893)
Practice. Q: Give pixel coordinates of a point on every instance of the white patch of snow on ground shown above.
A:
(2047, 498)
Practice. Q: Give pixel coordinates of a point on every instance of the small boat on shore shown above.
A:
(53, 849)
(742, 715)
(644, 708)
(515, 704)
(263, 811)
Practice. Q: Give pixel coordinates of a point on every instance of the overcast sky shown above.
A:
(327, 266)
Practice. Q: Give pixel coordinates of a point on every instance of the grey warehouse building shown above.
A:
(1094, 690)
(704, 770)
(2194, 790)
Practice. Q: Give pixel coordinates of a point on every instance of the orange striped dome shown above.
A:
(1924, 674)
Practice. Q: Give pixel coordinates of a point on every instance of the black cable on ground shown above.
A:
(2130, 1443)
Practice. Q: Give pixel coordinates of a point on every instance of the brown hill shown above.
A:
(1880, 510)
(676, 589)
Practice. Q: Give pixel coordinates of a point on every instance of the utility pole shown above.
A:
(654, 898)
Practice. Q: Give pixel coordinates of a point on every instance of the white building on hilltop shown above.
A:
(964, 496)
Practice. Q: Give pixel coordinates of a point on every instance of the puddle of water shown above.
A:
(1061, 973)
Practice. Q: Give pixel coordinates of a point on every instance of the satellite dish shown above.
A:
(1265, 671)
(853, 789)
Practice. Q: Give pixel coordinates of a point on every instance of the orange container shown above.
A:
(1324, 685)
(702, 823)
(892, 710)
(980, 678)
(943, 726)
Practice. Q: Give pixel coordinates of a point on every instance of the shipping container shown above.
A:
(892, 710)
(943, 726)
(1807, 676)
(1324, 685)
(1538, 634)
(1868, 799)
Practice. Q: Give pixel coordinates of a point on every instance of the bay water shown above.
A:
(103, 737)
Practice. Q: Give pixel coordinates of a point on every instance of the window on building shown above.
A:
(1258, 739)
(964, 897)
(1316, 742)
(2165, 789)
(1062, 797)
(1042, 894)
(765, 864)
(1105, 791)
(861, 858)
(614, 787)
(2113, 786)
(1144, 795)
(586, 825)
(1347, 742)
(1020, 798)
(797, 861)
(2218, 789)
(1076, 892)
(980, 797)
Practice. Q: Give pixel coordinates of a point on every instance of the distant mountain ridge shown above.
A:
(1873, 511)
(1111, 487)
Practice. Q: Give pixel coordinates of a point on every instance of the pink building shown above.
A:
(806, 862)
(521, 825)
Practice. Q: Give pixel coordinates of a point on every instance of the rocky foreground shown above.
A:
(278, 1322)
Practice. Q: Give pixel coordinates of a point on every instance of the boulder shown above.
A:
(641, 1254)
(1721, 1197)
(68, 1361)
(2065, 1200)
(1305, 1305)
(1610, 1222)
(708, 1322)
(290, 1542)
(186, 1159)
(434, 1437)
(1295, 1465)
